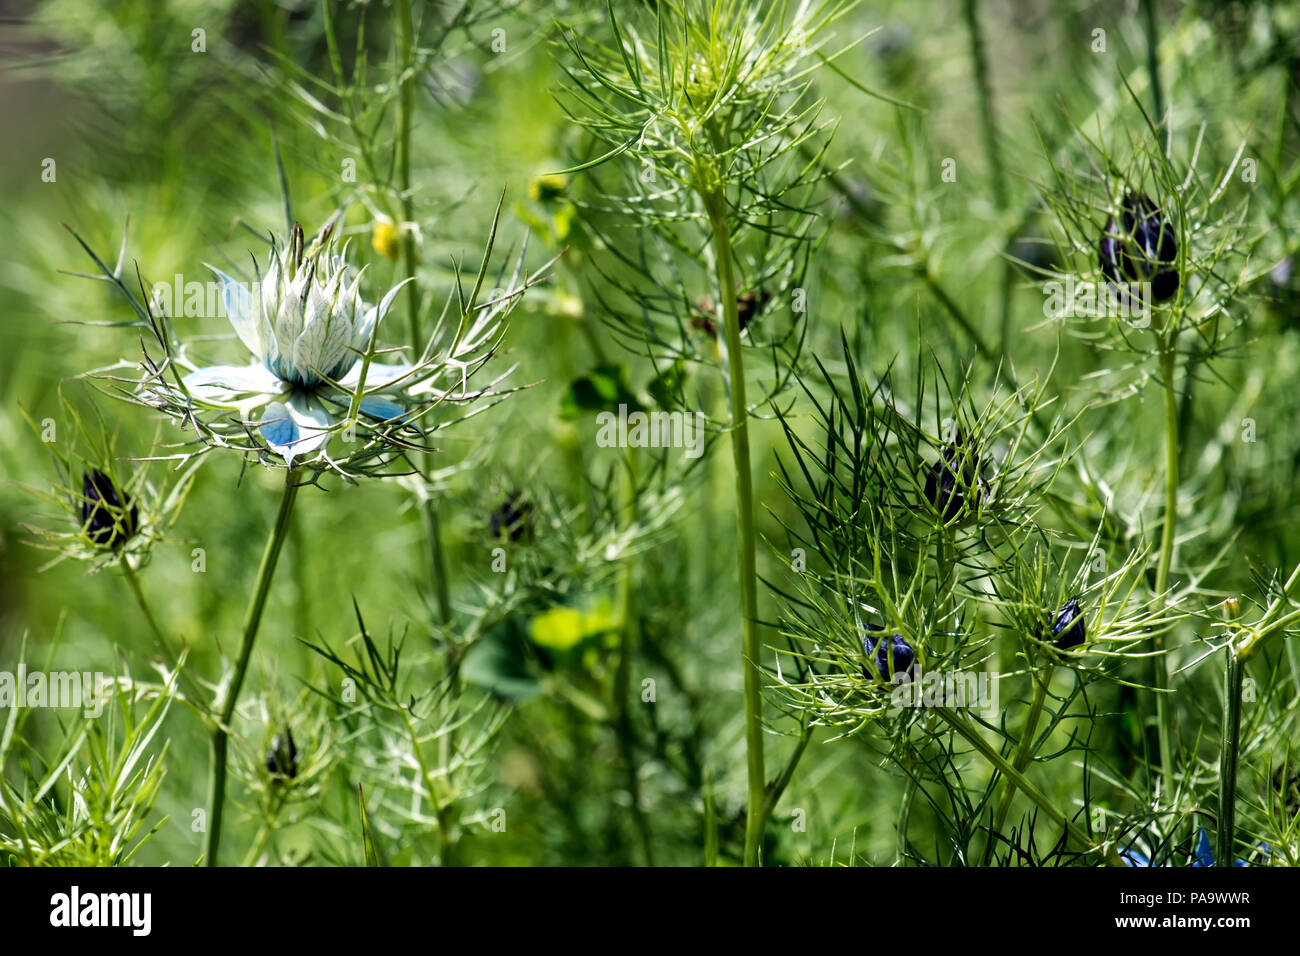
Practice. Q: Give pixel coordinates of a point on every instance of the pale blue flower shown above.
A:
(307, 328)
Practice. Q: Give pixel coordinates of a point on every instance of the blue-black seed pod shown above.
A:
(514, 519)
(878, 652)
(107, 514)
(1140, 247)
(282, 757)
(954, 482)
(1068, 627)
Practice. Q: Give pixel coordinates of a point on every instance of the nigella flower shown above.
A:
(1204, 855)
(880, 651)
(307, 328)
(1140, 247)
(108, 516)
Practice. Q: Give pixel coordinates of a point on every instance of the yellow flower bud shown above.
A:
(386, 239)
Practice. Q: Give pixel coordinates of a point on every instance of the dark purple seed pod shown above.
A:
(1068, 627)
(878, 650)
(954, 484)
(1140, 247)
(107, 514)
(514, 519)
(282, 757)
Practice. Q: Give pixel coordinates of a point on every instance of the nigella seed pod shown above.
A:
(1140, 247)
(514, 519)
(1068, 627)
(954, 483)
(107, 513)
(749, 304)
(878, 651)
(282, 757)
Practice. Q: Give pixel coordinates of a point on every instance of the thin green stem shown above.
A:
(628, 640)
(1024, 753)
(755, 819)
(1231, 738)
(437, 559)
(405, 107)
(904, 816)
(229, 696)
(138, 593)
(999, 763)
(1168, 530)
(993, 155)
(1153, 59)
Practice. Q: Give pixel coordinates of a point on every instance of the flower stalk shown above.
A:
(756, 816)
(229, 696)
(1160, 670)
(1231, 737)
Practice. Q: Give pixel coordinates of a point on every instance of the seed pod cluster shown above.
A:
(109, 517)
(1140, 247)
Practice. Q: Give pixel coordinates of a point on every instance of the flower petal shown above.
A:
(241, 309)
(379, 376)
(221, 382)
(297, 427)
(381, 408)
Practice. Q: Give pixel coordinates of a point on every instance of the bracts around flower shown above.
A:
(318, 392)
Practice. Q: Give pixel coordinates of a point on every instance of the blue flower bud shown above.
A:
(107, 513)
(1140, 247)
(879, 651)
(954, 483)
(514, 519)
(1067, 627)
(282, 757)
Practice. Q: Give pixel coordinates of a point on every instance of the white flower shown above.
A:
(306, 326)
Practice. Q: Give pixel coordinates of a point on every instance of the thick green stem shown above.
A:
(628, 641)
(993, 155)
(1168, 530)
(1024, 752)
(1153, 59)
(1231, 736)
(230, 694)
(756, 819)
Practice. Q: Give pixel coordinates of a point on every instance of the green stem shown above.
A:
(1159, 666)
(904, 815)
(993, 155)
(1231, 736)
(1153, 59)
(1024, 753)
(755, 819)
(405, 107)
(628, 640)
(229, 696)
(138, 593)
(437, 559)
(999, 763)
